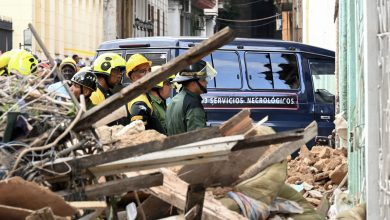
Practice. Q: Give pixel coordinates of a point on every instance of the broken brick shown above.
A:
(339, 173)
(320, 165)
(333, 163)
(321, 176)
(324, 153)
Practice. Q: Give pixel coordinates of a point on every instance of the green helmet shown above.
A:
(196, 71)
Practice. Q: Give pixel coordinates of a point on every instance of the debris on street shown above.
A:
(57, 164)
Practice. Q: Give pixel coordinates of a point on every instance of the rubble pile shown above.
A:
(55, 163)
(318, 172)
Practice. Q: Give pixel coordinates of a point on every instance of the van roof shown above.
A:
(184, 42)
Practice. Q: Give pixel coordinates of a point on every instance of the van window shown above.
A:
(228, 69)
(227, 65)
(156, 58)
(323, 73)
(284, 71)
(272, 71)
(259, 70)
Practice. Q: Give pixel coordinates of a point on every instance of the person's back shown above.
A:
(185, 113)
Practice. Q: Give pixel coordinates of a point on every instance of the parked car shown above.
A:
(289, 82)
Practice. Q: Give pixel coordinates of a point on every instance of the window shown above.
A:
(156, 58)
(284, 71)
(272, 71)
(323, 72)
(228, 69)
(259, 70)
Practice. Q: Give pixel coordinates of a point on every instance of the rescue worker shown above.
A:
(84, 82)
(22, 63)
(76, 58)
(141, 107)
(18, 62)
(108, 68)
(185, 112)
(4, 60)
(158, 96)
(137, 66)
(68, 68)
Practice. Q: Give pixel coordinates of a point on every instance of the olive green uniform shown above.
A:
(159, 109)
(185, 113)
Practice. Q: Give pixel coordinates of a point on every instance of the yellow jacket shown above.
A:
(134, 111)
(97, 97)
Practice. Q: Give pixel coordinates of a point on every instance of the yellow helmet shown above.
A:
(108, 61)
(4, 60)
(69, 62)
(161, 84)
(134, 61)
(23, 62)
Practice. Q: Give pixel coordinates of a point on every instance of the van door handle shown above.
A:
(238, 76)
(250, 77)
(325, 117)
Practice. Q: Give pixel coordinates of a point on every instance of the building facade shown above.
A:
(79, 26)
(192, 17)
(66, 26)
(5, 34)
(134, 18)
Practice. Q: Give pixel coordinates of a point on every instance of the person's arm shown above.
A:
(139, 111)
(195, 119)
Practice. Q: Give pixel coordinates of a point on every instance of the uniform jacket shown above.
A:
(185, 113)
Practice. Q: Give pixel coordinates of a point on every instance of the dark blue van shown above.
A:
(273, 78)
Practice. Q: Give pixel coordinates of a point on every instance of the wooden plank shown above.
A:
(174, 191)
(234, 125)
(120, 186)
(171, 157)
(194, 201)
(131, 151)
(89, 204)
(154, 208)
(265, 140)
(117, 187)
(147, 82)
(212, 150)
